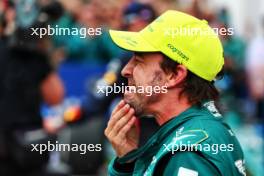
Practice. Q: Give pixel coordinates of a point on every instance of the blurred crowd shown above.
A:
(32, 85)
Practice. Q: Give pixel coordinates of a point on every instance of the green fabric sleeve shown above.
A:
(113, 172)
(184, 163)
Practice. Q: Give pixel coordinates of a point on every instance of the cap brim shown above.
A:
(131, 41)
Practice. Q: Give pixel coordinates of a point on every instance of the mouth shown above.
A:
(128, 93)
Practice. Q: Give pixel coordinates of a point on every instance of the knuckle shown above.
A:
(118, 125)
(113, 117)
(122, 111)
(112, 113)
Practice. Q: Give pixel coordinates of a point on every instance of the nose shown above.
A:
(128, 69)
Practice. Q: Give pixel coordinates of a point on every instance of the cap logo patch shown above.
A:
(175, 50)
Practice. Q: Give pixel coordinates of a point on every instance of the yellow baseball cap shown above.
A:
(182, 37)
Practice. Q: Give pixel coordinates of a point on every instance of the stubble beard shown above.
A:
(140, 101)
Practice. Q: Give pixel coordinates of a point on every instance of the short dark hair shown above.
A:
(194, 87)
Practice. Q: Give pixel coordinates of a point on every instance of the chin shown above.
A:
(129, 97)
(135, 102)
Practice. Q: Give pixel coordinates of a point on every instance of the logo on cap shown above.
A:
(175, 50)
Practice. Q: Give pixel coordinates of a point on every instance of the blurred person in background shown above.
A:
(137, 15)
(235, 95)
(200, 10)
(7, 19)
(98, 48)
(28, 79)
(63, 14)
(10, 15)
(91, 49)
(161, 6)
(255, 72)
(27, 12)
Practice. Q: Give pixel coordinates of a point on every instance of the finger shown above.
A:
(122, 111)
(123, 121)
(118, 115)
(122, 133)
(118, 107)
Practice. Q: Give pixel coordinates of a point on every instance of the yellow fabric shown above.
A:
(182, 37)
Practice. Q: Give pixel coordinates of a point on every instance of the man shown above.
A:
(192, 139)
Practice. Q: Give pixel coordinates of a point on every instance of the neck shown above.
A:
(168, 108)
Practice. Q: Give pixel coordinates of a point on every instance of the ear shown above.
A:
(174, 79)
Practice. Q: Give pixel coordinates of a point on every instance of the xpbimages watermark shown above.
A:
(148, 90)
(213, 148)
(191, 31)
(177, 145)
(82, 32)
(81, 148)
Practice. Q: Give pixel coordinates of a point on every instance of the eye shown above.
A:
(138, 59)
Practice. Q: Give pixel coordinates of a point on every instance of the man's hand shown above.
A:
(121, 130)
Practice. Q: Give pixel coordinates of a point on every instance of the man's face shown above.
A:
(143, 70)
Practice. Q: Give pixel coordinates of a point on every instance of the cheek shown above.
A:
(139, 75)
(143, 75)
